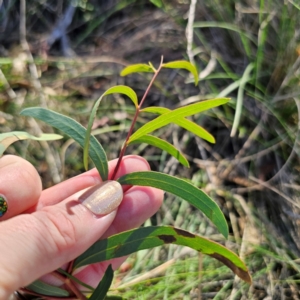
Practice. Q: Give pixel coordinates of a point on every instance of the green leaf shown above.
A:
(182, 64)
(135, 240)
(74, 130)
(176, 114)
(157, 3)
(180, 188)
(137, 68)
(240, 99)
(45, 289)
(121, 89)
(184, 123)
(162, 144)
(6, 139)
(104, 285)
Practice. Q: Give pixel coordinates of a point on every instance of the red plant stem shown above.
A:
(69, 283)
(138, 110)
(74, 289)
(70, 266)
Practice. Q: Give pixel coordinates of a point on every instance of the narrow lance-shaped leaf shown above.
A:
(177, 114)
(46, 289)
(182, 64)
(104, 285)
(75, 131)
(137, 68)
(121, 89)
(182, 189)
(164, 145)
(6, 139)
(135, 240)
(184, 123)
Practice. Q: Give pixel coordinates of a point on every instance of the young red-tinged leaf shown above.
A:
(182, 189)
(6, 139)
(182, 64)
(121, 89)
(75, 131)
(177, 114)
(163, 145)
(138, 68)
(135, 240)
(156, 110)
(46, 289)
(104, 285)
(184, 123)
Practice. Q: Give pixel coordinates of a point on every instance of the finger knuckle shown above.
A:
(61, 229)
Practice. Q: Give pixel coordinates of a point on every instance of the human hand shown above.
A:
(43, 230)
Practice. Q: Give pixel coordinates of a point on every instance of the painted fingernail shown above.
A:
(3, 206)
(103, 198)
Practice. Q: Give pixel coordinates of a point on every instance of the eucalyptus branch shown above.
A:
(137, 112)
(154, 235)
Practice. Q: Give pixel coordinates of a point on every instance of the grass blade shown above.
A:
(296, 5)
(182, 64)
(104, 285)
(184, 123)
(134, 240)
(176, 114)
(75, 131)
(6, 139)
(240, 99)
(245, 36)
(137, 68)
(182, 189)
(121, 89)
(163, 145)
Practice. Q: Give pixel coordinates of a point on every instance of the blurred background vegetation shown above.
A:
(64, 54)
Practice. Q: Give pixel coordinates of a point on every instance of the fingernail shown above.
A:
(103, 198)
(3, 206)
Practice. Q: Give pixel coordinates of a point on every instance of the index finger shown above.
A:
(61, 191)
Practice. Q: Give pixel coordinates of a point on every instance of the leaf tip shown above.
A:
(186, 164)
(196, 79)
(225, 231)
(242, 272)
(123, 73)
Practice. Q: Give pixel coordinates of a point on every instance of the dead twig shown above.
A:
(158, 270)
(190, 31)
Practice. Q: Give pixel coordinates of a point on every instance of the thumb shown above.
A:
(20, 186)
(35, 244)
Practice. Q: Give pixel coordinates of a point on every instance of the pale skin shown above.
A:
(44, 230)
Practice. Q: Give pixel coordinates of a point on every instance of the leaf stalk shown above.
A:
(137, 112)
